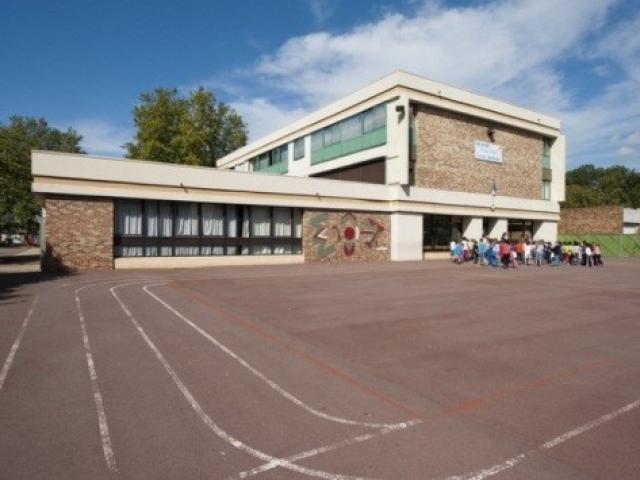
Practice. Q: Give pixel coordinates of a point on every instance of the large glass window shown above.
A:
(358, 132)
(520, 230)
(161, 228)
(439, 231)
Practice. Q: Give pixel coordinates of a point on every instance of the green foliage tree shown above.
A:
(18, 208)
(589, 186)
(195, 130)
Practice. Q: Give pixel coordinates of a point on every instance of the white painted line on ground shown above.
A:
(16, 344)
(259, 374)
(208, 421)
(327, 448)
(107, 449)
(512, 462)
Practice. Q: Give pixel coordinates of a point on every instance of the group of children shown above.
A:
(507, 253)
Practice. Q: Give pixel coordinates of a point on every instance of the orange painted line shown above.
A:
(469, 405)
(514, 390)
(282, 345)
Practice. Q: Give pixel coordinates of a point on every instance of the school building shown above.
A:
(394, 171)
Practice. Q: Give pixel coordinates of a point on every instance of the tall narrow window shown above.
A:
(212, 226)
(298, 149)
(187, 226)
(297, 229)
(282, 227)
(151, 212)
(246, 223)
(260, 227)
(232, 227)
(284, 153)
(165, 217)
(130, 224)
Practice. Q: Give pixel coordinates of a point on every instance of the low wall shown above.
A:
(591, 220)
(214, 261)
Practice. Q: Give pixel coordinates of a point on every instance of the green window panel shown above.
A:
(546, 162)
(352, 145)
(374, 138)
(278, 168)
(364, 130)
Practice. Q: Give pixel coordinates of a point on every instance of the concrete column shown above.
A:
(545, 230)
(406, 236)
(397, 162)
(472, 228)
(497, 226)
(558, 155)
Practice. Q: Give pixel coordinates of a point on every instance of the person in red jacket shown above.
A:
(505, 251)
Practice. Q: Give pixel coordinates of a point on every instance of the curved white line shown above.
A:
(206, 419)
(327, 448)
(103, 426)
(259, 374)
(512, 462)
(16, 344)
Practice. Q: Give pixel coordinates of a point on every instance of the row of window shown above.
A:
(271, 160)
(162, 228)
(364, 130)
(349, 128)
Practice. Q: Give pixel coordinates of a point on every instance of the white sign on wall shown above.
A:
(488, 151)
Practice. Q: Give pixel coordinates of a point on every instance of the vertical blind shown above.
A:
(163, 228)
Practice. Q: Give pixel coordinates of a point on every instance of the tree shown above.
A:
(196, 130)
(18, 208)
(589, 186)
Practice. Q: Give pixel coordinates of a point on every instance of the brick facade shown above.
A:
(78, 233)
(591, 220)
(445, 155)
(343, 236)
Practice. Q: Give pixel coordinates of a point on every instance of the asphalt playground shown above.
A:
(392, 371)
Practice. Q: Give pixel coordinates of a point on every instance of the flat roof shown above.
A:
(417, 88)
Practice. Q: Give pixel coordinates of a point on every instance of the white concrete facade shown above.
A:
(406, 236)
(472, 227)
(233, 182)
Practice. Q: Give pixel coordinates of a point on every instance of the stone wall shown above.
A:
(591, 220)
(78, 233)
(445, 149)
(341, 236)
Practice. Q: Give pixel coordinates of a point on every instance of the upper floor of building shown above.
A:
(411, 131)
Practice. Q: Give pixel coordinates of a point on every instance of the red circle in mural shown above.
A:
(349, 233)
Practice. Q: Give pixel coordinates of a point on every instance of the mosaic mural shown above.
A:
(345, 236)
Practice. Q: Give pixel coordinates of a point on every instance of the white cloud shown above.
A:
(630, 148)
(512, 50)
(485, 48)
(102, 138)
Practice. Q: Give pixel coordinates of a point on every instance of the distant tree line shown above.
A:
(590, 186)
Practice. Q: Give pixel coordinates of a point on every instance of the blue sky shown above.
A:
(83, 64)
